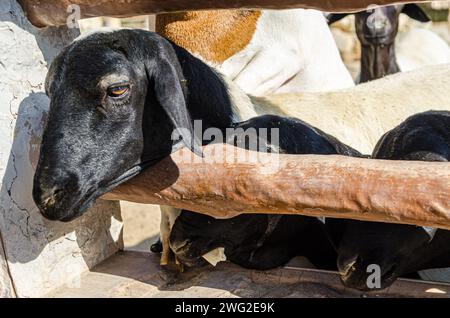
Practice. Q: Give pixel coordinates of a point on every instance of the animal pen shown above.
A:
(85, 258)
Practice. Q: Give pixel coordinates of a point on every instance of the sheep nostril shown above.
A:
(50, 197)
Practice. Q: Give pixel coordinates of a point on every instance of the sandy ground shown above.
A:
(141, 225)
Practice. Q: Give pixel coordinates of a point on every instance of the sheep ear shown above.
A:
(335, 17)
(169, 84)
(415, 12)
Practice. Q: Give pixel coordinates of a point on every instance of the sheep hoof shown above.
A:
(164, 261)
(169, 276)
(172, 273)
(174, 266)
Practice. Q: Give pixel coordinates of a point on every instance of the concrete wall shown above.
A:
(40, 255)
(6, 287)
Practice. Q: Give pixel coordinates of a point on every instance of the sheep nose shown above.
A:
(346, 265)
(46, 197)
(51, 196)
(378, 24)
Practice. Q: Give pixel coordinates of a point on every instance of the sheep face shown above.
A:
(373, 255)
(377, 29)
(397, 249)
(115, 99)
(194, 235)
(252, 240)
(379, 26)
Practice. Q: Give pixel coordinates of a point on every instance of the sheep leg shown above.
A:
(165, 255)
(168, 217)
(164, 233)
(172, 216)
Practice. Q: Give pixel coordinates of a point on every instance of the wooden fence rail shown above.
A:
(332, 186)
(55, 12)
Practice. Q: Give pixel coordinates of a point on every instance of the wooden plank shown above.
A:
(332, 186)
(55, 12)
(401, 288)
(134, 274)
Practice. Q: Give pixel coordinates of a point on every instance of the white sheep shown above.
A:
(360, 115)
(420, 47)
(268, 51)
(290, 51)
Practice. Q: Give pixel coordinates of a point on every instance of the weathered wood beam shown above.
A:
(332, 186)
(55, 12)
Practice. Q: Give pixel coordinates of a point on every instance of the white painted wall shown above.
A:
(41, 255)
(6, 287)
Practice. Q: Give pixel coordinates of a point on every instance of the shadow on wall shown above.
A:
(25, 232)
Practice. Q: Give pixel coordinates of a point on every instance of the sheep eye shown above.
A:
(118, 91)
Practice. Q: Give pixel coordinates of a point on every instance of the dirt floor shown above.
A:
(141, 225)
